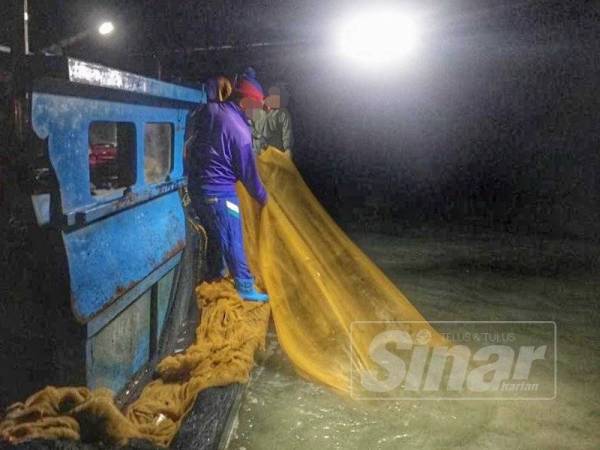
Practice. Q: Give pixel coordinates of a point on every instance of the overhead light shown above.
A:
(378, 38)
(106, 28)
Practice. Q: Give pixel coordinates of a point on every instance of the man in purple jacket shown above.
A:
(220, 153)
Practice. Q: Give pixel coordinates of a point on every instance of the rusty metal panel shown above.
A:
(113, 241)
(163, 298)
(123, 240)
(109, 257)
(121, 348)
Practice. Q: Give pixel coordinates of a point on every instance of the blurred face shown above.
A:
(273, 101)
(251, 107)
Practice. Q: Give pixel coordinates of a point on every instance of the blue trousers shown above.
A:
(219, 213)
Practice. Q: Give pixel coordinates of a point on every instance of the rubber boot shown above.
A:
(245, 287)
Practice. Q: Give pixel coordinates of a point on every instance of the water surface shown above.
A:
(452, 277)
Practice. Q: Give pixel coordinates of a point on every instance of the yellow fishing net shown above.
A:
(319, 281)
(229, 333)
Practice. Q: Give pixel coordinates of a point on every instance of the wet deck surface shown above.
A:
(206, 426)
(453, 277)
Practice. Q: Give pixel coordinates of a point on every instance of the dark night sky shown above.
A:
(497, 118)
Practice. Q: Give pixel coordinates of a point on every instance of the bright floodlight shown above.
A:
(106, 28)
(377, 38)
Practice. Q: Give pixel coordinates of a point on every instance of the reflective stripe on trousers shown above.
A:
(221, 217)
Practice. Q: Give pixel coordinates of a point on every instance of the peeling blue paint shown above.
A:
(114, 243)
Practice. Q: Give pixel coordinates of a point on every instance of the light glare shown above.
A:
(106, 28)
(378, 38)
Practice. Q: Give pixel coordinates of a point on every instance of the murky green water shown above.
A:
(495, 277)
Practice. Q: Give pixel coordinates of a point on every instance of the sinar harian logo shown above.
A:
(480, 360)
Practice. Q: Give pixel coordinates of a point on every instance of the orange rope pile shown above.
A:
(229, 333)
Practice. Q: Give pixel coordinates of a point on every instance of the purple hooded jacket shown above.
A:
(220, 152)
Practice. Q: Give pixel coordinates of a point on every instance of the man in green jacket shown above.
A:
(273, 125)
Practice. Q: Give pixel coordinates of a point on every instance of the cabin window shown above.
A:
(158, 144)
(111, 156)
